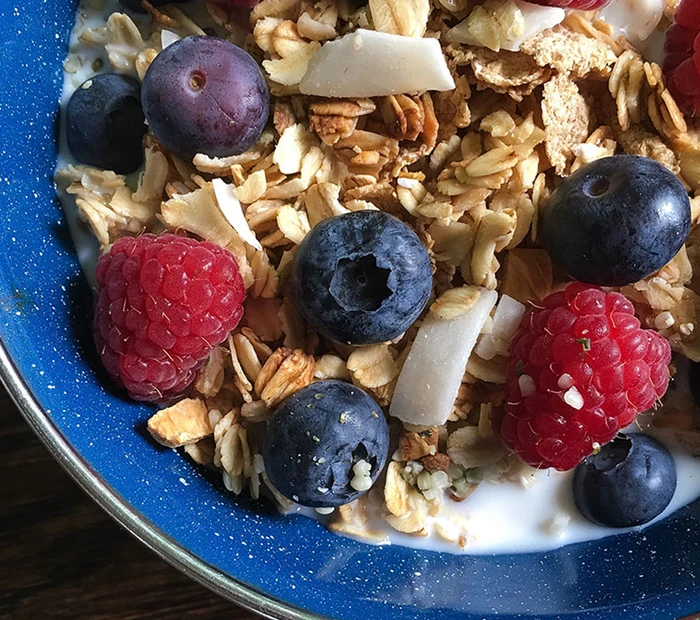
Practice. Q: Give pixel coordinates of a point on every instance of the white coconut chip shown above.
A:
(168, 37)
(430, 378)
(366, 63)
(233, 212)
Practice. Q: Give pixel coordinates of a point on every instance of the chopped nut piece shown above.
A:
(211, 377)
(415, 445)
(293, 145)
(435, 462)
(528, 275)
(405, 17)
(396, 491)
(289, 71)
(185, 422)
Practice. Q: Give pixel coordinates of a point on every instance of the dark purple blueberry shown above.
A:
(205, 95)
(105, 123)
(629, 482)
(136, 5)
(316, 437)
(361, 278)
(616, 221)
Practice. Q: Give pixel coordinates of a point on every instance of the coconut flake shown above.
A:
(536, 19)
(429, 381)
(168, 37)
(506, 321)
(527, 21)
(365, 63)
(233, 212)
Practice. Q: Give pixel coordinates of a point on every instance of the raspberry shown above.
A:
(580, 369)
(164, 302)
(682, 63)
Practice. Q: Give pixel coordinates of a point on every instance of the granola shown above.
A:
(468, 168)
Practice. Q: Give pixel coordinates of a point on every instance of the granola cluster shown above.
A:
(468, 169)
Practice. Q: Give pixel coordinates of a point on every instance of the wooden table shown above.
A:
(62, 557)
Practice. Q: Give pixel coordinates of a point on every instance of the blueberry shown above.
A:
(105, 123)
(629, 482)
(205, 95)
(361, 278)
(616, 220)
(315, 438)
(136, 5)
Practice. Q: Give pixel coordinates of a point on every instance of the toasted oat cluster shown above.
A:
(468, 169)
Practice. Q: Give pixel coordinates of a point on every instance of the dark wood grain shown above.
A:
(62, 557)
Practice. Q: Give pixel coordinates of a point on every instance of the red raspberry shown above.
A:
(580, 369)
(682, 62)
(164, 302)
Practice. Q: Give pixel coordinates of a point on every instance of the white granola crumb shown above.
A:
(686, 329)
(527, 385)
(557, 524)
(566, 381)
(664, 320)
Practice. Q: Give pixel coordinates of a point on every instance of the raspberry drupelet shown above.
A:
(580, 370)
(682, 63)
(164, 302)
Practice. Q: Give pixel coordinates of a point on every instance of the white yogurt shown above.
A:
(502, 518)
(509, 518)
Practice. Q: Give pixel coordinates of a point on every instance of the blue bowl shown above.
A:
(283, 567)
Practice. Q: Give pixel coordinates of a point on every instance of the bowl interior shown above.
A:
(236, 546)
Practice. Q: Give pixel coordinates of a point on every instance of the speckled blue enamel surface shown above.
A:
(45, 307)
